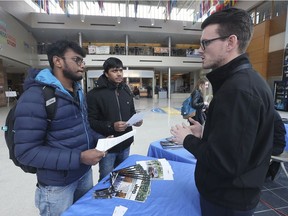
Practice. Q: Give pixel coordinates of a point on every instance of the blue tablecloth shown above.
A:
(286, 137)
(180, 154)
(168, 198)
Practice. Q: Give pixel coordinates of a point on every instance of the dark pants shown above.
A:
(209, 209)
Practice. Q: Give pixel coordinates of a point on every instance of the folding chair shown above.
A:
(282, 158)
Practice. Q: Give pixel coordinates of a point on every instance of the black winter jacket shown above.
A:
(108, 103)
(234, 153)
(279, 141)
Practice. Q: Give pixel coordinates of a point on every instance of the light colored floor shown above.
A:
(17, 188)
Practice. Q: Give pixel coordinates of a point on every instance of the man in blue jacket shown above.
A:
(234, 148)
(62, 150)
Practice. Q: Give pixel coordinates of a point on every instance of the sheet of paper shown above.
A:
(106, 143)
(119, 210)
(135, 118)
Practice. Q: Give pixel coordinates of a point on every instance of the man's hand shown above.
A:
(196, 128)
(120, 126)
(138, 124)
(180, 132)
(91, 156)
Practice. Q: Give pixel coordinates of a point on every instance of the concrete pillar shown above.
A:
(169, 83)
(3, 85)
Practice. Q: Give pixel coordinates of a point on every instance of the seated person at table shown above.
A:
(279, 144)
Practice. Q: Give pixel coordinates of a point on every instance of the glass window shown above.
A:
(263, 12)
(252, 14)
(280, 8)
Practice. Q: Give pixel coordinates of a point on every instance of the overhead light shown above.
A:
(152, 22)
(119, 20)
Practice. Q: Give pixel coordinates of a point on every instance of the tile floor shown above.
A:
(17, 188)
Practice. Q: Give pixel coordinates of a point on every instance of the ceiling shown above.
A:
(46, 27)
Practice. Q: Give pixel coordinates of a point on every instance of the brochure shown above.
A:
(157, 169)
(170, 145)
(131, 183)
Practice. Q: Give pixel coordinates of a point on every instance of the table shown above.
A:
(162, 94)
(176, 197)
(286, 137)
(180, 155)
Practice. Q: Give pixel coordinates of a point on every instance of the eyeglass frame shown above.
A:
(79, 61)
(205, 43)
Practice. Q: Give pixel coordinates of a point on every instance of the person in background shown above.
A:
(279, 144)
(64, 149)
(136, 92)
(198, 103)
(110, 106)
(149, 91)
(233, 148)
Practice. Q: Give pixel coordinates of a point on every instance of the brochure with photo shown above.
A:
(131, 183)
(157, 169)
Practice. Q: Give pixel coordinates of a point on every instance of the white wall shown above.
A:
(15, 41)
(277, 42)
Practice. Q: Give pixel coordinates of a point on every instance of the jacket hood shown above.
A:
(43, 77)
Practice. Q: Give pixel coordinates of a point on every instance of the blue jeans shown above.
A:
(110, 161)
(54, 200)
(208, 209)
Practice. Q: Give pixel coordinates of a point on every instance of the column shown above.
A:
(3, 78)
(161, 79)
(84, 77)
(169, 83)
(126, 44)
(169, 45)
(286, 31)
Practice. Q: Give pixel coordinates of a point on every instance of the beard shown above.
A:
(70, 75)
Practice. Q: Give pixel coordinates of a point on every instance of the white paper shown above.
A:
(106, 143)
(119, 210)
(135, 118)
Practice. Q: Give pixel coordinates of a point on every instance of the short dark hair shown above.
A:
(60, 47)
(112, 63)
(232, 21)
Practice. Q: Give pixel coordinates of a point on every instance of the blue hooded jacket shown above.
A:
(53, 148)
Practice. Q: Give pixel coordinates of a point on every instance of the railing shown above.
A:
(132, 50)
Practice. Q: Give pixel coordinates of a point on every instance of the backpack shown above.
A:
(186, 109)
(49, 96)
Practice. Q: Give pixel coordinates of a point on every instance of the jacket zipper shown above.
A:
(117, 98)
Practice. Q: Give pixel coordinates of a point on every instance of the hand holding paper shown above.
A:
(107, 143)
(135, 118)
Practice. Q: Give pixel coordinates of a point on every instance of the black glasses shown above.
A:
(79, 61)
(205, 43)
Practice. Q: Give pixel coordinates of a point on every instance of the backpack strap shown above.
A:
(241, 67)
(50, 100)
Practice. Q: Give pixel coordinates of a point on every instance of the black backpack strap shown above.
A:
(50, 100)
(241, 67)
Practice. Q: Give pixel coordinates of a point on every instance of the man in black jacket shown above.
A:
(234, 147)
(279, 144)
(110, 106)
